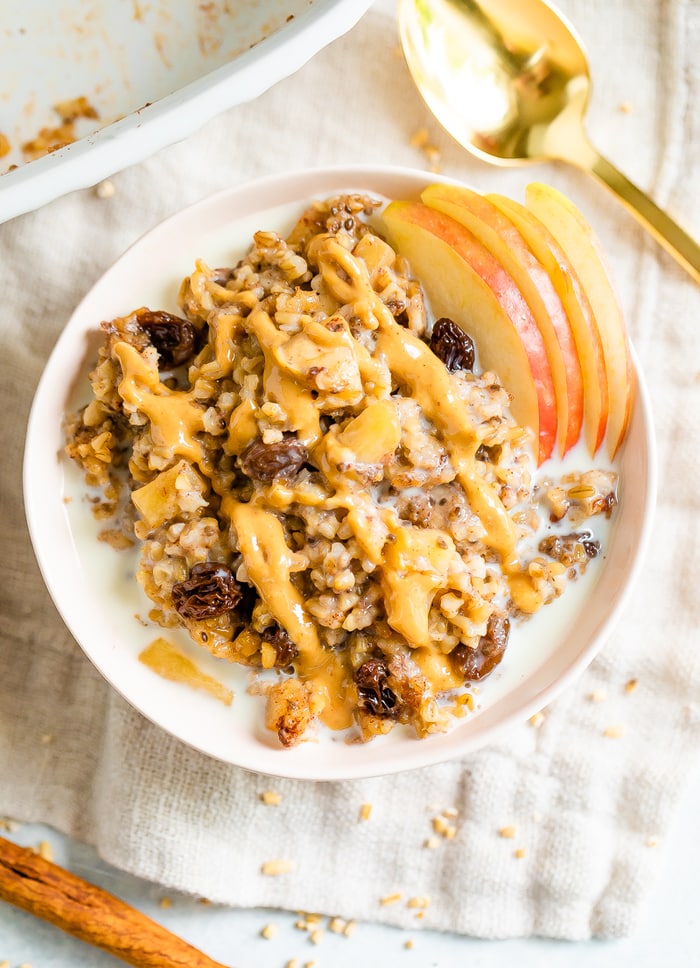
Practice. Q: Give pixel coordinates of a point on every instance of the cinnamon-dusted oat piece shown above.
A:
(90, 914)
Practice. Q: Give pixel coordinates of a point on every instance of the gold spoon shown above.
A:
(509, 81)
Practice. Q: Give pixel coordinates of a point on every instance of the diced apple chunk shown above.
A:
(373, 435)
(167, 495)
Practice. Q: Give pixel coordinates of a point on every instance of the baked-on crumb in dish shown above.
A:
(323, 485)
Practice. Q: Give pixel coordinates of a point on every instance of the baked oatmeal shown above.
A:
(323, 485)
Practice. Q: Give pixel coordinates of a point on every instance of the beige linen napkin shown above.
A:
(584, 808)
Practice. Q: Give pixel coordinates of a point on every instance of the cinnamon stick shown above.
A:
(91, 914)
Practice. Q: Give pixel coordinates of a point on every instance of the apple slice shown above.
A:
(577, 239)
(503, 240)
(463, 281)
(578, 309)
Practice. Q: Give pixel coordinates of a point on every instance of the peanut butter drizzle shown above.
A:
(280, 388)
(170, 663)
(415, 364)
(437, 668)
(269, 562)
(416, 564)
(430, 384)
(227, 326)
(174, 415)
(242, 427)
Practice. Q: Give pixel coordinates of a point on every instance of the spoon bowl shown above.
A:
(509, 80)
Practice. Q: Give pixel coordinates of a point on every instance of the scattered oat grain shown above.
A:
(598, 695)
(314, 918)
(270, 797)
(432, 843)
(626, 107)
(337, 925)
(419, 138)
(310, 964)
(11, 826)
(451, 812)
(272, 868)
(5, 149)
(615, 731)
(105, 189)
(419, 915)
(390, 898)
(508, 832)
(652, 842)
(536, 720)
(45, 850)
(316, 936)
(365, 811)
(433, 156)
(4, 964)
(440, 825)
(165, 903)
(293, 963)
(408, 944)
(268, 932)
(519, 853)
(350, 929)
(421, 901)
(631, 685)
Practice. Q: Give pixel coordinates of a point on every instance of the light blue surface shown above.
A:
(669, 934)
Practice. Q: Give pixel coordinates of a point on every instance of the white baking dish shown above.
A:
(153, 70)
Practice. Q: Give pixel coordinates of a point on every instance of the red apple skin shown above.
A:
(578, 307)
(501, 237)
(583, 249)
(464, 281)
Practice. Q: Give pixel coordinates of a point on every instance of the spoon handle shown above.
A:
(684, 249)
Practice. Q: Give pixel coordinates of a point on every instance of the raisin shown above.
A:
(282, 643)
(375, 696)
(210, 590)
(479, 662)
(271, 462)
(173, 337)
(452, 345)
